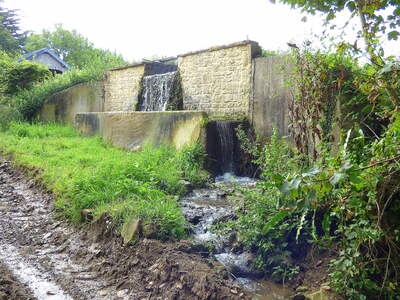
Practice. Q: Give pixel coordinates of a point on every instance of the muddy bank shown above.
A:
(92, 263)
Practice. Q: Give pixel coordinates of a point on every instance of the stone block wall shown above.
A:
(218, 80)
(122, 87)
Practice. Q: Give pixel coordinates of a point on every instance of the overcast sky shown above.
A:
(143, 28)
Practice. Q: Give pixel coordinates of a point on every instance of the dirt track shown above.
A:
(49, 259)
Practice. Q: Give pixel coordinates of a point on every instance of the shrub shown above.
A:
(16, 76)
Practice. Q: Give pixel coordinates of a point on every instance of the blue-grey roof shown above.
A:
(30, 55)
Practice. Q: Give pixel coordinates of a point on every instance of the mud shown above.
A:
(11, 288)
(46, 258)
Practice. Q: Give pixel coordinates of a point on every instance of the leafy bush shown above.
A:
(15, 76)
(344, 193)
(7, 115)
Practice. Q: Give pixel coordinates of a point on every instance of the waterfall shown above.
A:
(225, 146)
(156, 92)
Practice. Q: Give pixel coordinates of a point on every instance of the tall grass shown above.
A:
(87, 173)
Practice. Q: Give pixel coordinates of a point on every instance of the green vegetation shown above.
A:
(72, 47)
(25, 85)
(267, 53)
(334, 190)
(28, 101)
(87, 173)
(16, 76)
(11, 37)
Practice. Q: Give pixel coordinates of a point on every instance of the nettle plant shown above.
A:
(351, 187)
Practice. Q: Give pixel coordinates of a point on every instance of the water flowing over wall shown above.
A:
(227, 81)
(222, 147)
(156, 92)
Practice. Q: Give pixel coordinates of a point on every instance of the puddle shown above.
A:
(38, 281)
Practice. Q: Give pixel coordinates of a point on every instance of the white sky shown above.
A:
(143, 28)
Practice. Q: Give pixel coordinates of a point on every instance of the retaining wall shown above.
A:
(132, 130)
(63, 106)
(221, 81)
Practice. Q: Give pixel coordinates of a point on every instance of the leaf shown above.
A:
(386, 68)
(393, 35)
(337, 177)
(346, 166)
(294, 183)
(311, 172)
(272, 222)
(284, 188)
(303, 217)
(326, 223)
(351, 6)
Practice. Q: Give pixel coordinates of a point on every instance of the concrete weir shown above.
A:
(132, 130)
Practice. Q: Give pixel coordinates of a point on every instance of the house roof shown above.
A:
(30, 55)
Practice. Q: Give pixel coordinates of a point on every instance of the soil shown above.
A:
(42, 257)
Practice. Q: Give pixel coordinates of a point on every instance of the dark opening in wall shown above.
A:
(222, 147)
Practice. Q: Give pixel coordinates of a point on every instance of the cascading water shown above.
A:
(206, 207)
(156, 92)
(225, 148)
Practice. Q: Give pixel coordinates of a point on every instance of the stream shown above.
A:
(205, 207)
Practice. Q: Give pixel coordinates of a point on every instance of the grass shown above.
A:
(88, 173)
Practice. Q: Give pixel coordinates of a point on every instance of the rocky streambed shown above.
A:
(209, 206)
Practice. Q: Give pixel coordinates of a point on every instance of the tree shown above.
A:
(11, 37)
(71, 46)
(378, 18)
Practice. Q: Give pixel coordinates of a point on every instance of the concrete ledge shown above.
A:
(132, 130)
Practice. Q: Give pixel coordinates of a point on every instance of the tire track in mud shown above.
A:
(36, 248)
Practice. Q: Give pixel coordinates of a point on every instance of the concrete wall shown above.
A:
(122, 87)
(134, 129)
(222, 81)
(271, 98)
(218, 80)
(62, 107)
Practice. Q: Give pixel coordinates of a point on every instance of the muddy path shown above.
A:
(11, 287)
(45, 258)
